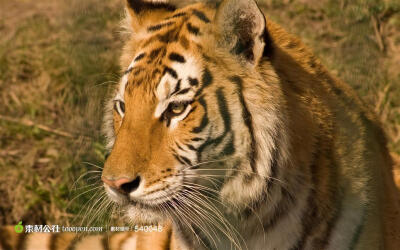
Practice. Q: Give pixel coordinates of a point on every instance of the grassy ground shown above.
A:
(58, 57)
(56, 60)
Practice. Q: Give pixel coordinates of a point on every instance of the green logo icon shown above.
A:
(19, 228)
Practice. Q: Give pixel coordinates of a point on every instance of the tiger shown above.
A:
(230, 131)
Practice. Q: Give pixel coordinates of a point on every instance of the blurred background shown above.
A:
(58, 58)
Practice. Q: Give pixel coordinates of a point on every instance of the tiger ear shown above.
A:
(242, 28)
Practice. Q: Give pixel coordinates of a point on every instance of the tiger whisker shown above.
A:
(83, 175)
(79, 195)
(186, 205)
(103, 196)
(212, 211)
(92, 164)
(238, 170)
(184, 216)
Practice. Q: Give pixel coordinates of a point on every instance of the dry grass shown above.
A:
(359, 41)
(58, 57)
(55, 62)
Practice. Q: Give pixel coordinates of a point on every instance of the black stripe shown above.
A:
(269, 181)
(178, 15)
(204, 120)
(169, 36)
(183, 91)
(177, 88)
(176, 57)
(316, 215)
(179, 159)
(331, 223)
(22, 239)
(168, 121)
(73, 243)
(154, 53)
(184, 42)
(336, 204)
(191, 147)
(193, 81)
(201, 16)
(53, 241)
(137, 70)
(105, 242)
(329, 228)
(224, 111)
(137, 82)
(193, 29)
(286, 203)
(155, 73)
(208, 58)
(310, 218)
(229, 148)
(186, 160)
(197, 139)
(206, 80)
(140, 5)
(168, 242)
(128, 70)
(140, 57)
(159, 26)
(248, 120)
(309, 221)
(170, 71)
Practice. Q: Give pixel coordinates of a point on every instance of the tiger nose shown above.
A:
(123, 185)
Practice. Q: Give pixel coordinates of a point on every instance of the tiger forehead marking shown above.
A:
(164, 62)
(175, 35)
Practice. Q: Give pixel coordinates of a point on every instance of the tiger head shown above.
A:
(185, 125)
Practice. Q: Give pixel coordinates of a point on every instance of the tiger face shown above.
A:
(182, 133)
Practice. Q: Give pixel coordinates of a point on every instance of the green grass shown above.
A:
(57, 59)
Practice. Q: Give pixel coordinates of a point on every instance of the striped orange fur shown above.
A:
(231, 129)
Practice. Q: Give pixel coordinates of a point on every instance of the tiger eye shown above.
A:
(177, 108)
